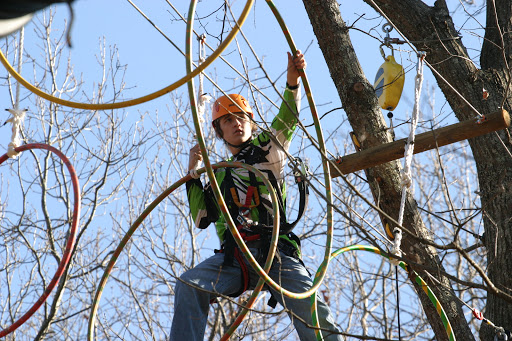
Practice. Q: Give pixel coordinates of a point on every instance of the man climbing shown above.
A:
(228, 273)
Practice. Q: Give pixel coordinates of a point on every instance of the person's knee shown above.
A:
(186, 282)
(185, 277)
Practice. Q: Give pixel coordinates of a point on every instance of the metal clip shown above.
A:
(242, 218)
(387, 27)
(505, 337)
(500, 334)
(300, 169)
(481, 119)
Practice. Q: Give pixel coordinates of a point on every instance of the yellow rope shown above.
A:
(139, 100)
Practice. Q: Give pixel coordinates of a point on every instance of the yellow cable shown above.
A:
(139, 100)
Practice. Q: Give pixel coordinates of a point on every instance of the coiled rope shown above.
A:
(209, 169)
(424, 286)
(70, 239)
(139, 100)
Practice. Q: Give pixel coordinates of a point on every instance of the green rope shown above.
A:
(403, 265)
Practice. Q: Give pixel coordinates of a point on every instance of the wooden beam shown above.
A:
(378, 155)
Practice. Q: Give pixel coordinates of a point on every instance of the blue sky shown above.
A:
(153, 63)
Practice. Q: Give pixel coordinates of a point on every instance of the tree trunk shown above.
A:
(364, 114)
(419, 22)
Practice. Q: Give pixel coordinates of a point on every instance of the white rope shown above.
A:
(20, 57)
(406, 176)
(203, 98)
(17, 122)
(18, 115)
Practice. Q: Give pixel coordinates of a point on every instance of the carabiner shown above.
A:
(387, 27)
(299, 169)
(501, 333)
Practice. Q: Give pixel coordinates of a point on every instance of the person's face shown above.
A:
(236, 128)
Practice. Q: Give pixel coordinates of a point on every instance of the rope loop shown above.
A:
(70, 239)
(413, 275)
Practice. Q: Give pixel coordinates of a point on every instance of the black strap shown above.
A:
(302, 183)
(265, 218)
(229, 240)
(272, 301)
(300, 173)
(229, 248)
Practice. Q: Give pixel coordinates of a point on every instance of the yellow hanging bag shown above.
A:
(389, 83)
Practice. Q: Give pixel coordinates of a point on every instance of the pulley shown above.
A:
(389, 81)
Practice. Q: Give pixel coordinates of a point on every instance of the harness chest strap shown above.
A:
(229, 247)
(235, 206)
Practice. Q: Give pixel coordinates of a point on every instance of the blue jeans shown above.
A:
(191, 305)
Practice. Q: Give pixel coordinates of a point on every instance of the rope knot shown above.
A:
(406, 180)
(16, 120)
(397, 243)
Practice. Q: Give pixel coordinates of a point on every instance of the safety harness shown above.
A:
(258, 234)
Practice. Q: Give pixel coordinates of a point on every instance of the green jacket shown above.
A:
(266, 153)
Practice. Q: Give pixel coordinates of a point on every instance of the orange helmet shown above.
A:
(226, 104)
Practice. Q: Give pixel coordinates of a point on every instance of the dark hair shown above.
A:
(218, 131)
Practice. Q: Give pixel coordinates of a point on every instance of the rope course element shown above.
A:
(197, 108)
(70, 239)
(152, 206)
(264, 278)
(18, 115)
(424, 286)
(500, 331)
(406, 181)
(209, 169)
(139, 100)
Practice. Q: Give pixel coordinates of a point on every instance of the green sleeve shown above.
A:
(286, 120)
(202, 204)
